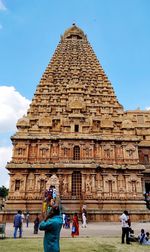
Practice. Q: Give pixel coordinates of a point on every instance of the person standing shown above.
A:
(18, 224)
(22, 217)
(27, 219)
(125, 220)
(75, 225)
(64, 217)
(36, 224)
(84, 219)
(22, 220)
(52, 226)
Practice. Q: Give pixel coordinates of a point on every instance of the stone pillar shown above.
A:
(93, 182)
(69, 183)
(97, 151)
(83, 182)
(37, 187)
(38, 150)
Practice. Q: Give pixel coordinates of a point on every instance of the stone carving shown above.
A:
(74, 31)
(107, 151)
(23, 122)
(45, 121)
(12, 185)
(127, 124)
(121, 183)
(65, 185)
(20, 149)
(53, 181)
(30, 181)
(88, 184)
(106, 122)
(130, 149)
(76, 103)
(41, 181)
(44, 150)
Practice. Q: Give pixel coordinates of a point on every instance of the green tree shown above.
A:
(3, 191)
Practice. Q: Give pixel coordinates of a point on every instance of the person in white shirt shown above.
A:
(22, 220)
(124, 218)
(22, 217)
(83, 219)
(63, 216)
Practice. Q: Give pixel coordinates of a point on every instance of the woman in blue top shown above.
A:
(52, 226)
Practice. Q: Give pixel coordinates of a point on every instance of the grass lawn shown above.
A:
(92, 244)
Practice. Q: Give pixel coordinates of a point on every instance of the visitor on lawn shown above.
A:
(27, 219)
(146, 239)
(18, 224)
(141, 236)
(75, 225)
(125, 220)
(36, 224)
(52, 226)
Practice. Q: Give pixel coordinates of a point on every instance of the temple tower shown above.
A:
(78, 137)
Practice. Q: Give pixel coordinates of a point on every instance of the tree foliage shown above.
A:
(3, 191)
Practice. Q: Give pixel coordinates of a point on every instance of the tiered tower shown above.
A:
(77, 137)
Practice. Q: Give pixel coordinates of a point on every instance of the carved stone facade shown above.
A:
(78, 137)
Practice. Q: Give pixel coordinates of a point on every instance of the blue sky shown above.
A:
(118, 30)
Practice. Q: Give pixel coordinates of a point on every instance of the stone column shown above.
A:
(93, 182)
(69, 183)
(83, 182)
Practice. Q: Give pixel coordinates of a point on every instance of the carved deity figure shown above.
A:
(53, 181)
(65, 186)
(30, 181)
(88, 184)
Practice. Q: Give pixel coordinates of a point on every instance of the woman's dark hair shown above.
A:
(126, 212)
(53, 212)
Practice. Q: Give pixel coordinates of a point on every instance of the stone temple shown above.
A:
(77, 136)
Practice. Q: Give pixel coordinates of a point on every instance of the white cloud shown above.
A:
(5, 154)
(2, 6)
(12, 107)
(148, 108)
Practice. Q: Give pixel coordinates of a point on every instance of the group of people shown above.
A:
(144, 238)
(66, 220)
(53, 221)
(75, 222)
(128, 232)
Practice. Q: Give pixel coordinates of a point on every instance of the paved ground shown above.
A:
(93, 229)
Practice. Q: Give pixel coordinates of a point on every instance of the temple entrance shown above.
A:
(147, 194)
(147, 187)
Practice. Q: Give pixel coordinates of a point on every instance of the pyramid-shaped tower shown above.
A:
(77, 137)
